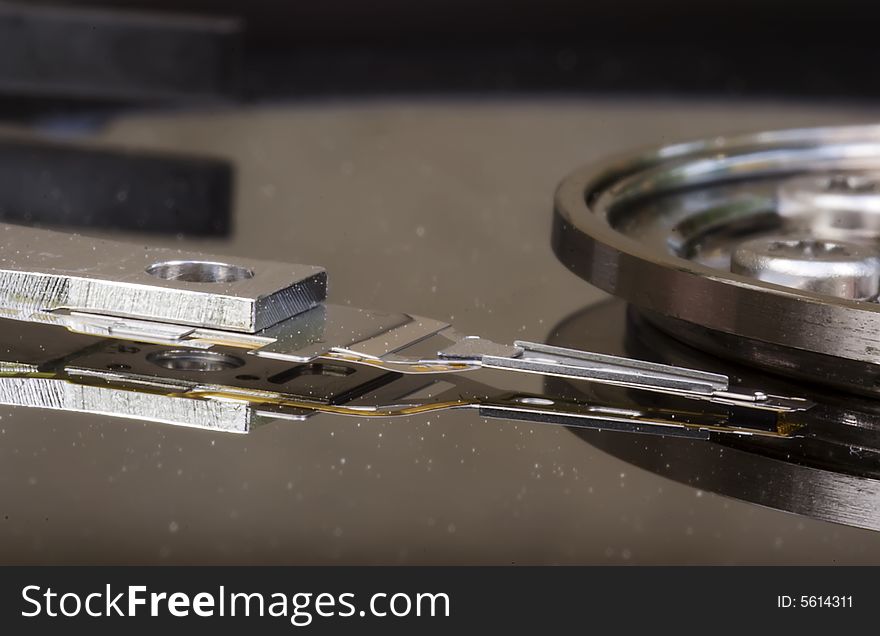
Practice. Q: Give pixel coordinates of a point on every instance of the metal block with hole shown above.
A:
(44, 271)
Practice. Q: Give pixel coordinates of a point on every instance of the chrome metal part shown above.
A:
(43, 271)
(559, 361)
(659, 229)
(638, 374)
(830, 470)
(838, 205)
(834, 268)
(62, 395)
(223, 390)
(476, 348)
(358, 332)
(338, 352)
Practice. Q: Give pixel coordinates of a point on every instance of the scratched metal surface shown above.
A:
(40, 270)
(440, 208)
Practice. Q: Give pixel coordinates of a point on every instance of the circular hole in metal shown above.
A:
(247, 376)
(124, 348)
(535, 401)
(199, 271)
(118, 366)
(187, 360)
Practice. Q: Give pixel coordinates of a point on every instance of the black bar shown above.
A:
(80, 186)
(477, 600)
(108, 54)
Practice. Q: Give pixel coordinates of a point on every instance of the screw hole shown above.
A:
(185, 360)
(124, 348)
(199, 271)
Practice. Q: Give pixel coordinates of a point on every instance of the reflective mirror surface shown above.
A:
(441, 208)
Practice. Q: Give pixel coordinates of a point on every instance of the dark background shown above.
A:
(413, 150)
(818, 49)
